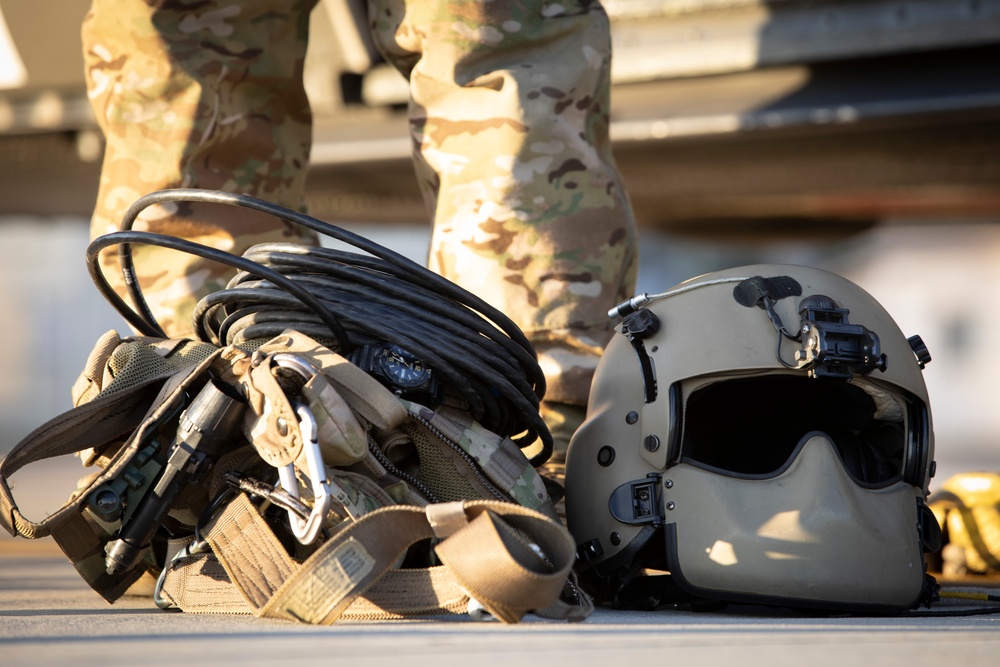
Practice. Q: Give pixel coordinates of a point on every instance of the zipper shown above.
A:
(405, 476)
(473, 466)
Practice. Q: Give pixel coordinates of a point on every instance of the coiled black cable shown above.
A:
(351, 299)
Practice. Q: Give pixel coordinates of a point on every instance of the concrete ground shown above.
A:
(48, 616)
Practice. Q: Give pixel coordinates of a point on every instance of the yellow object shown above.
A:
(968, 510)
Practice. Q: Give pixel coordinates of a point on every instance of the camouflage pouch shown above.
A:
(440, 455)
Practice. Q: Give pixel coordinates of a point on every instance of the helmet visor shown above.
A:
(751, 427)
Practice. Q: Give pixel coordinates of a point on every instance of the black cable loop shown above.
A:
(415, 272)
(350, 300)
(485, 348)
(467, 358)
(274, 256)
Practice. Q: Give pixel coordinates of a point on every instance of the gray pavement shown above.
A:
(49, 617)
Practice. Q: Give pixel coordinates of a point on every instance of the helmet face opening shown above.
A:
(751, 427)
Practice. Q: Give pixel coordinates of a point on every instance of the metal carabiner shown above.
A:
(192, 548)
(307, 530)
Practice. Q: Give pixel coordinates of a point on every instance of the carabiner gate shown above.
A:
(307, 530)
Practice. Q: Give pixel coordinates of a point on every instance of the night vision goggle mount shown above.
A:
(830, 345)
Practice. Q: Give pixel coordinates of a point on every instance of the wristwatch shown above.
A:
(405, 374)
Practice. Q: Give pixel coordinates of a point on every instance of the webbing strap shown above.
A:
(90, 425)
(250, 552)
(201, 585)
(130, 410)
(500, 569)
(511, 559)
(363, 393)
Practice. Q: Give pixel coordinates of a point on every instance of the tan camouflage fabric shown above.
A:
(508, 115)
(499, 458)
(360, 496)
(200, 95)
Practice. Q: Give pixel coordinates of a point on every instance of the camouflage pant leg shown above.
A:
(204, 94)
(509, 111)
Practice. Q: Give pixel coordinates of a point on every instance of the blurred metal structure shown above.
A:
(792, 117)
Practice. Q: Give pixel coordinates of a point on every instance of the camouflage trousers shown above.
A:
(508, 114)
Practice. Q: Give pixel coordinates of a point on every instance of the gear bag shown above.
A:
(286, 482)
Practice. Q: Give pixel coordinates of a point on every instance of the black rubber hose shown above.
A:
(417, 273)
(346, 300)
(146, 323)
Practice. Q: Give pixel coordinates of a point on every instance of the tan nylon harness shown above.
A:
(510, 559)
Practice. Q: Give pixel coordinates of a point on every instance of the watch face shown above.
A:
(403, 368)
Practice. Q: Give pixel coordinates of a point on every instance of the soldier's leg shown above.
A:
(509, 115)
(201, 94)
